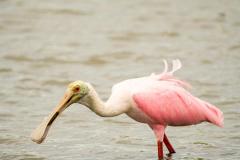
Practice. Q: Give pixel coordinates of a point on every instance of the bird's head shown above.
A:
(75, 93)
(77, 90)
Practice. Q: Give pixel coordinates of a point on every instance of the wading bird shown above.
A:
(157, 100)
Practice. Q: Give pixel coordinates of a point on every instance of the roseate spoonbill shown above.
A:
(157, 100)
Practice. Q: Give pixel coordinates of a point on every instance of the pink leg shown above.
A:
(160, 150)
(168, 145)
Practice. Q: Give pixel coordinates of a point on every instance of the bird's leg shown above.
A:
(168, 145)
(160, 150)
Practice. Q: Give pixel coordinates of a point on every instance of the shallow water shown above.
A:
(44, 45)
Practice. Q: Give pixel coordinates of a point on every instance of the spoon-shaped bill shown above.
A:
(40, 133)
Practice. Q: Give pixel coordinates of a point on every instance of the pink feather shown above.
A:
(166, 102)
(174, 106)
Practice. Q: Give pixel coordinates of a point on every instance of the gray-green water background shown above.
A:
(45, 44)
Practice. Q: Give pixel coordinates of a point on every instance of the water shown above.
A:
(44, 45)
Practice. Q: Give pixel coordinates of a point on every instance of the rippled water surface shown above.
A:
(45, 44)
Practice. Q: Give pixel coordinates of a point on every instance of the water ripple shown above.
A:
(44, 60)
(61, 11)
(5, 70)
(56, 82)
(18, 58)
(135, 36)
(95, 61)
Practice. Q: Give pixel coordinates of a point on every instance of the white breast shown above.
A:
(122, 93)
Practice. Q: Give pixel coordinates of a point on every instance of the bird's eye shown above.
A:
(77, 89)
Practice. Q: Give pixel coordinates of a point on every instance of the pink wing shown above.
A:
(173, 105)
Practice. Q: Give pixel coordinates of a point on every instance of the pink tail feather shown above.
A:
(215, 116)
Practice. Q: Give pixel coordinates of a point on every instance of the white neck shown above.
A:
(94, 102)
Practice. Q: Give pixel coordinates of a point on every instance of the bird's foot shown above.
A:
(169, 156)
